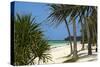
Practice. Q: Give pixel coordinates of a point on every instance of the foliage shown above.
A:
(27, 34)
(83, 14)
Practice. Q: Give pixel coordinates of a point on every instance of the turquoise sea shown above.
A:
(56, 43)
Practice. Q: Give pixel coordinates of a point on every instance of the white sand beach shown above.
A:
(59, 54)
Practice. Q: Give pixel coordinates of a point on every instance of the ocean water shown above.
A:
(57, 43)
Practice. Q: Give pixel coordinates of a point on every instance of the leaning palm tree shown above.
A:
(75, 56)
(91, 34)
(90, 24)
(93, 25)
(61, 12)
(82, 34)
(82, 12)
(58, 16)
(28, 40)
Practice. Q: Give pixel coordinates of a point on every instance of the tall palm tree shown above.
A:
(75, 56)
(85, 12)
(59, 12)
(82, 33)
(91, 27)
(93, 23)
(28, 41)
(88, 37)
(91, 34)
(57, 16)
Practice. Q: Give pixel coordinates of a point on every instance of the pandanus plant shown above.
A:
(28, 41)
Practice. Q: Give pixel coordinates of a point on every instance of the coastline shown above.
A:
(59, 53)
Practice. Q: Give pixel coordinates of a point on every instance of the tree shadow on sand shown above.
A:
(81, 56)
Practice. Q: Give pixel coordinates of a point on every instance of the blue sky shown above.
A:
(41, 11)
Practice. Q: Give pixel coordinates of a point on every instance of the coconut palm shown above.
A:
(75, 56)
(28, 40)
(91, 24)
(82, 33)
(57, 16)
(91, 34)
(85, 12)
(61, 12)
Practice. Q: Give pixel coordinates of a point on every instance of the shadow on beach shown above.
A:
(81, 58)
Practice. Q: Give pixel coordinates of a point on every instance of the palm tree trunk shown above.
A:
(95, 38)
(69, 36)
(93, 35)
(96, 50)
(89, 47)
(75, 56)
(82, 36)
(89, 38)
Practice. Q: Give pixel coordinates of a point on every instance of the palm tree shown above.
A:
(82, 32)
(88, 37)
(57, 16)
(91, 27)
(75, 56)
(61, 12)
(85, 12)
(91, 34)
(28, 41)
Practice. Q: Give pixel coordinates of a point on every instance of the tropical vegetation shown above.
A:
(84, 15)
(28, 41)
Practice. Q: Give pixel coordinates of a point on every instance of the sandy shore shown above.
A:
(59, 54)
